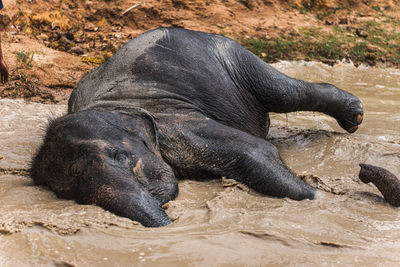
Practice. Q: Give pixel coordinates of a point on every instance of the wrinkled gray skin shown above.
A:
(177, 104)
(387, 183)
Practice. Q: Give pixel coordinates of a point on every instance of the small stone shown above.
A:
(69, 36)
(108, 47)
(43, 37)
(64, 6)
(343, 21)
(89, 27)
(374, 48)
(101, 37)
(77, 50)
(64, 41)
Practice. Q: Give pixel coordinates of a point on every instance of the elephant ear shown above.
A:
(133, 202)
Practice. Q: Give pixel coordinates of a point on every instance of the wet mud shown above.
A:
(223, 222)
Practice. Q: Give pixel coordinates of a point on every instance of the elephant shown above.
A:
(177, 104)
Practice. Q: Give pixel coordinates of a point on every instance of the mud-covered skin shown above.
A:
(385, 181)
(171, 104)
(105, 158)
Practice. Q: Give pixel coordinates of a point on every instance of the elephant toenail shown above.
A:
(359, 119)
(352, 129)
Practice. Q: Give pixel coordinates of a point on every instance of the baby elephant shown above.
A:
(177, 104)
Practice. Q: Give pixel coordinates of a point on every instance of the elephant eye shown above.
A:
(121, 157)
(116, 155)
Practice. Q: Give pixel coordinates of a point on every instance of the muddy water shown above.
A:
(220, 223)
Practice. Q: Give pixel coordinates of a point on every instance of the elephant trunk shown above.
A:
(385, 181)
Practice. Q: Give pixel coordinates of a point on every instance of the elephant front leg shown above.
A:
(203, 148)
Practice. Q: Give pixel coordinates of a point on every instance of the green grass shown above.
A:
(382, 44)
(25, 58)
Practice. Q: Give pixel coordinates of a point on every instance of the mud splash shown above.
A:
(222, 222)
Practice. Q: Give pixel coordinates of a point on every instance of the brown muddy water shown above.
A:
(220, 224)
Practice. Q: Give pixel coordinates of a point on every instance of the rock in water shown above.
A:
(387, 183)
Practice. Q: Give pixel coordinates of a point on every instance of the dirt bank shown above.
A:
(49, 45)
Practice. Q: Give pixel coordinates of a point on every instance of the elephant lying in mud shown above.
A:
(177, 104)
